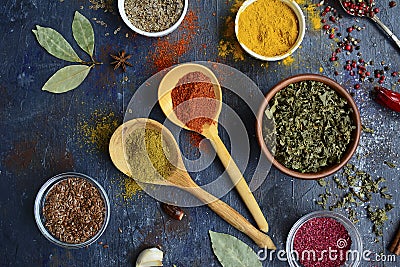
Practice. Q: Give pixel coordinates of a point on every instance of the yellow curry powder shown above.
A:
(314, 16)
(268, 27)
(98, 129)
(130, 187)
(228, 45)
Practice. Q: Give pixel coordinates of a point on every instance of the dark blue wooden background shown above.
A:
(40, 135)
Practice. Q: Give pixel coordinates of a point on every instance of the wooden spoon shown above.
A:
(180, 178)
(168, 83)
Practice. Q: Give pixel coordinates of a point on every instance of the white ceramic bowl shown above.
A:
(302, 29)
(121, 8)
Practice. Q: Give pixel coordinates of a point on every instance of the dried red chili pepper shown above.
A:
(387, 98)
(173, 211)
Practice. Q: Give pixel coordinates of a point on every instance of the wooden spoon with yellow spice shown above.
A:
(144, 135)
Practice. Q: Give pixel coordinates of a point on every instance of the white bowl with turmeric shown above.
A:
(270, 30)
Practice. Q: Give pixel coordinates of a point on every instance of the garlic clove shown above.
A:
(150, 257)
(151, 264)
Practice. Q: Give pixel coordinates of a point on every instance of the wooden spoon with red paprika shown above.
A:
(191, 97)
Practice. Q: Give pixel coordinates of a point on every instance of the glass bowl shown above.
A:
(353, 260)
(41, 198)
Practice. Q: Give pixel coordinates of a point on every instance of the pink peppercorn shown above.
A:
(319, 235)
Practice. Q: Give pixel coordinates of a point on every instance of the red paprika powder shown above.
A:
(322, 242)
(167, 51)
(194, 101)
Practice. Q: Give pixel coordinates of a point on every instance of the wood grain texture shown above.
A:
(41, 136)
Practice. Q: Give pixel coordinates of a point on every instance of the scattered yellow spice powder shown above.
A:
(288, 61)
(268, 27)
(228, 45)
(127, 188)
(98, 129)
(130, 187)
(301, 2)
(313, 16)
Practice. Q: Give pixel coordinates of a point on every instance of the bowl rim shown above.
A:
(40, 198)
(350, 227)
(121, 9)
(342, 92)
(302, 29)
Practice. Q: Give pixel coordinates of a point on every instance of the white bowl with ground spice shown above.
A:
(270, 30)
(72, 210)
(153, 18)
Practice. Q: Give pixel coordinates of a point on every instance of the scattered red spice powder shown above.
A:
(195, 114)
(322, 242)
(195, 139)
(167, 52)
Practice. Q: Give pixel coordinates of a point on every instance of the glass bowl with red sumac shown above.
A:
(72, 210)
(324, 238)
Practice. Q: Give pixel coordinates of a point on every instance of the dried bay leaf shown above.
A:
(231, 252)
(66, 79)
(83, 33)
(55, 44)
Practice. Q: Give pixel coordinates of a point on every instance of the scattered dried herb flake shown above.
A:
(390, 164)
(357, 187)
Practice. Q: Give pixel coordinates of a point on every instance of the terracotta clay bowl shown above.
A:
(355, 134)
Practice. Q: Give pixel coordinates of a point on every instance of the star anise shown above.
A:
(121, 60)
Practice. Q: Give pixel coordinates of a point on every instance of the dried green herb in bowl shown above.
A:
(317, 126)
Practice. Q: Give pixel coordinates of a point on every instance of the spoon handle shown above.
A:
(229, 214)
(387, 30)
(240, 183)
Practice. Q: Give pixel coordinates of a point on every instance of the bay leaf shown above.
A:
(231, 252)
(55, 44)
(66, 79)
(83, 33)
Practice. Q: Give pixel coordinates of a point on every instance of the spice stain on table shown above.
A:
(167, 51)
(20, 156)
